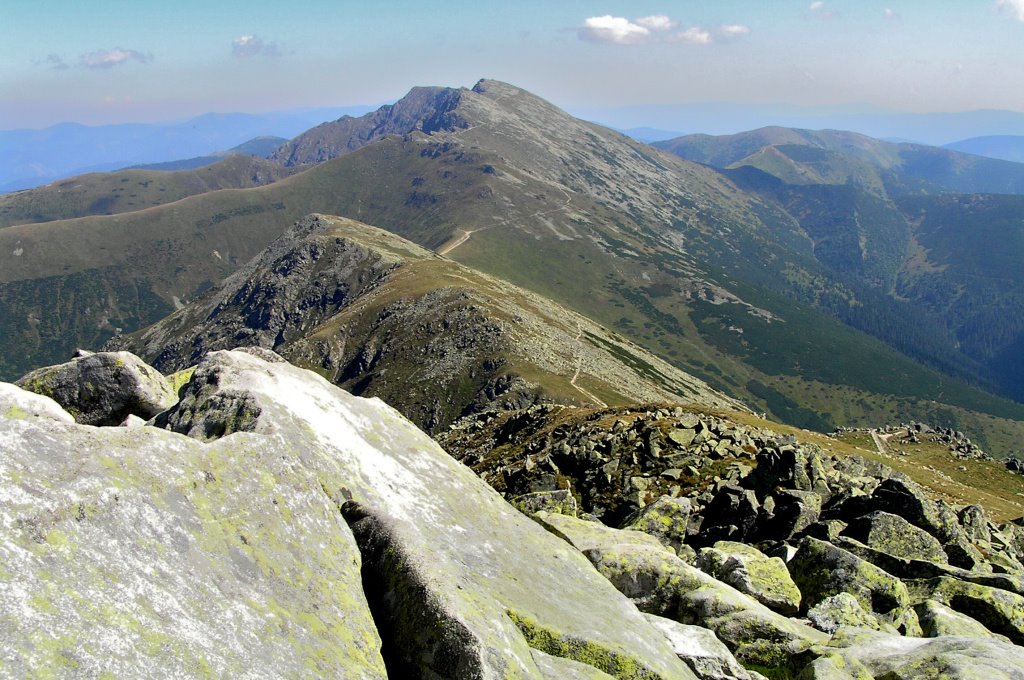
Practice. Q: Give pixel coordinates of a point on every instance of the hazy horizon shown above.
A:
(116, 61)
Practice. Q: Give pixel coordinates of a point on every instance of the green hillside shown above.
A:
(131, 190)
(720, 281)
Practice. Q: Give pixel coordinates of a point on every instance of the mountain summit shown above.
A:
(756, 293)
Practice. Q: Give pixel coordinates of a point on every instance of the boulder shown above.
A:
(793, 511)
(975, 523)
(826, 530)
(560, 502)
(999, 611)
(103, 388)
(937, 619)
(730, 515)
(750, 571)
(140, 553)
(833, 666)
(662, 584)
(288, 547)
(21, 405)
(666, 519)
(702, 651)
(899, 658)
(822, 570)
(840, 610)
(892, 534)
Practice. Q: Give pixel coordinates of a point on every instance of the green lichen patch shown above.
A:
(611, 661)
(179, 379)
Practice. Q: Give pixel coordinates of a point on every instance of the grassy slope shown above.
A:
(130, 190)
(580, 248)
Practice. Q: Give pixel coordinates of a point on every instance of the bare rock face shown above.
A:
(142, 553)
(103, 388)
(319, 535)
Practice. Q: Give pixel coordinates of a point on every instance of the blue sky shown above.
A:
(102, 61)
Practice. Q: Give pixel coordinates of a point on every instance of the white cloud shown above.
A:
(815, 6)
(112, 58)
(649, 29)
(253, 46)
(657, 22)
(618, 30)
(733, 30)
(1014, 7)
(694, 36)
(889, 13)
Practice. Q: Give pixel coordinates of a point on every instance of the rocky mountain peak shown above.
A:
(423, 109)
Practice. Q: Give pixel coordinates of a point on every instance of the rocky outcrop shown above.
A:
(103, 388)
(269, 523)
(616, 461)
(864, 546)
(322, 534)
(959, 444)
(424, 109)
(382, 317)
(662, 584)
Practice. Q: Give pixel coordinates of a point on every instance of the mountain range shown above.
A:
(727, 118)
(466, 388)
(1006, 147)
(825, 278)
(35, 157)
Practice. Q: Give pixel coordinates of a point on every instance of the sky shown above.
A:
(114, 61)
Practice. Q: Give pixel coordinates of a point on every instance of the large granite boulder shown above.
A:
(894, 535)
(702, 651)
(900, 658)
(730, 516)
(839, 610)
(320, 535)
(937, 619)
(141, 553)
(662, 584)
(1000, 611)
(822, 570)
(103, 388)
(667, 519)
(791, 512)
(750, 571)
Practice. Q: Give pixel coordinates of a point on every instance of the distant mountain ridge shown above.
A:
(30, 158)
(133, 189)
(1005, 147)
(936, 228)
(258, 147)
(901, 168)
(728, 118)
